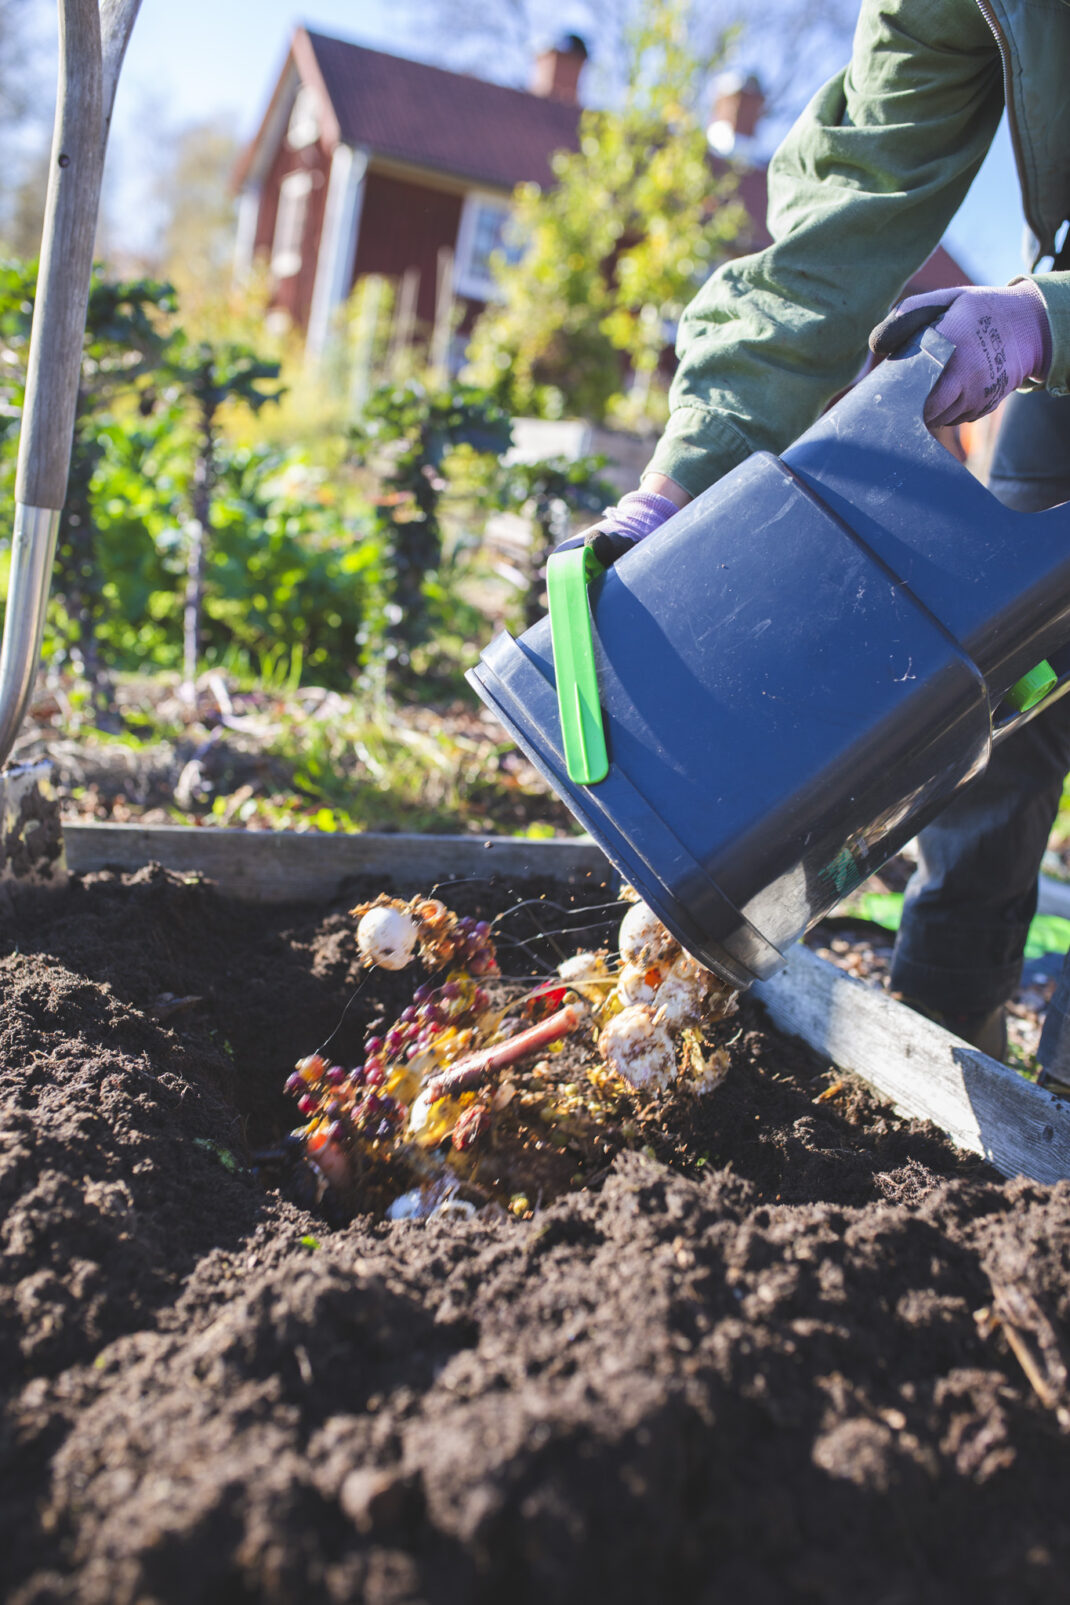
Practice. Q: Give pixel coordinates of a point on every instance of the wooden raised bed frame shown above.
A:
(921, 1069)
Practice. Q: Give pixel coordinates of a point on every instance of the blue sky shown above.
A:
(192, 59)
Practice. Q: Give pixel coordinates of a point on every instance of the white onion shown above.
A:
(633, 986)
(639, 1049)
(643, 939)
(680, 999)
(387, 937)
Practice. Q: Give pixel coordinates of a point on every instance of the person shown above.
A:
(860, 193)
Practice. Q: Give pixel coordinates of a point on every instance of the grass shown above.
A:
(271, 754)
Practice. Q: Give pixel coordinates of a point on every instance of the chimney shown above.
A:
(556, 75)
(736, 112)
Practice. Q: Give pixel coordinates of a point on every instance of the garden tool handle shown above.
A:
(92, 45)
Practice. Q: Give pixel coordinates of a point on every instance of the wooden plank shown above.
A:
(269, 866)
(923, 1070)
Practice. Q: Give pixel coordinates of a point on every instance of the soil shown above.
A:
(779, 1355)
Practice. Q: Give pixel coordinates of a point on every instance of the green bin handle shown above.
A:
(568, 575)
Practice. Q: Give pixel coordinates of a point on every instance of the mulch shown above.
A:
(794, 1349)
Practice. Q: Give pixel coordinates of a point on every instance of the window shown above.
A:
(304, 126)
(290, 224)
(483, 232)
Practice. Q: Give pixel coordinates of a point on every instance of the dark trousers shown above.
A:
(969, 904)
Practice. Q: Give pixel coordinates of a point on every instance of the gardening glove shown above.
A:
(636, 515)
(1001, 335)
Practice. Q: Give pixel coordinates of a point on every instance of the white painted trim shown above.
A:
(338, 243)
(291, 219)
(245, 232)
(274, 129)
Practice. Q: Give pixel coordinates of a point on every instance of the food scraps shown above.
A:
(486, 1089)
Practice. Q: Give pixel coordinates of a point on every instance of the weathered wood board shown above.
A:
(921, 1069)
(925, 1072)
(283, 866)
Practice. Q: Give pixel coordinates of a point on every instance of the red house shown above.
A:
(367, 163)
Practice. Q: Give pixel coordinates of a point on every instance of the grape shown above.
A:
(408, 1014)
(374, 1077)
(356, 1076)
(336, 1075)
(483, 928)
(422, 993)
(308, 1104)
(395, 1041)
(373, 1045)
(295, 1083)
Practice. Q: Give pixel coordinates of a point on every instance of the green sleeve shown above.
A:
(860, 193)
(1055, 288)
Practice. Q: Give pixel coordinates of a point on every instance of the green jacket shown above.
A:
(860, 193)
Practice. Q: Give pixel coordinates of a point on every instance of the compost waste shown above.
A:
(786, 1348)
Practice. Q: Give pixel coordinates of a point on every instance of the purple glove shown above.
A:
(1001, 336)
(635, 516)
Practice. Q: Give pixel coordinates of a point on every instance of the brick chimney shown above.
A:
(736, 112)
(556, 74)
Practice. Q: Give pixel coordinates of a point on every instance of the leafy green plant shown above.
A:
(549, 493)
(210, 375)
(128, 329)
(616, 249)
(407, 432)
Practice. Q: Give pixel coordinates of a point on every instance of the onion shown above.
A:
(680, 999)
(633, 985)
(644, 940)
(587, 974)
(639, 1049)
(387, 936)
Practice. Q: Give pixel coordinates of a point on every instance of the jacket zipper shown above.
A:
(1012, 122)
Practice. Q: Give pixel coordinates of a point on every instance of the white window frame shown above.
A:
(303, 128)
(290, 217)
(468, 279)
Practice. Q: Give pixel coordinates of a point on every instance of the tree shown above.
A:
(617, 248)
(793, 44)
(25, 105)
(196, 239)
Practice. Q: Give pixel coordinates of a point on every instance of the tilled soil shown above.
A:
(749, 1365)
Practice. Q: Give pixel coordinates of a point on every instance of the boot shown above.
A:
(987, 1031)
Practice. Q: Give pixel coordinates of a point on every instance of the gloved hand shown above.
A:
(1001, 336)
(636, 515)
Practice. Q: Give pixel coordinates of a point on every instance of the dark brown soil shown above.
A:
(745, 1367)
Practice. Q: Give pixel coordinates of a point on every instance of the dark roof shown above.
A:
(448, 121)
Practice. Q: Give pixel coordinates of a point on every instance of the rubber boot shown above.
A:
(986, 1032)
